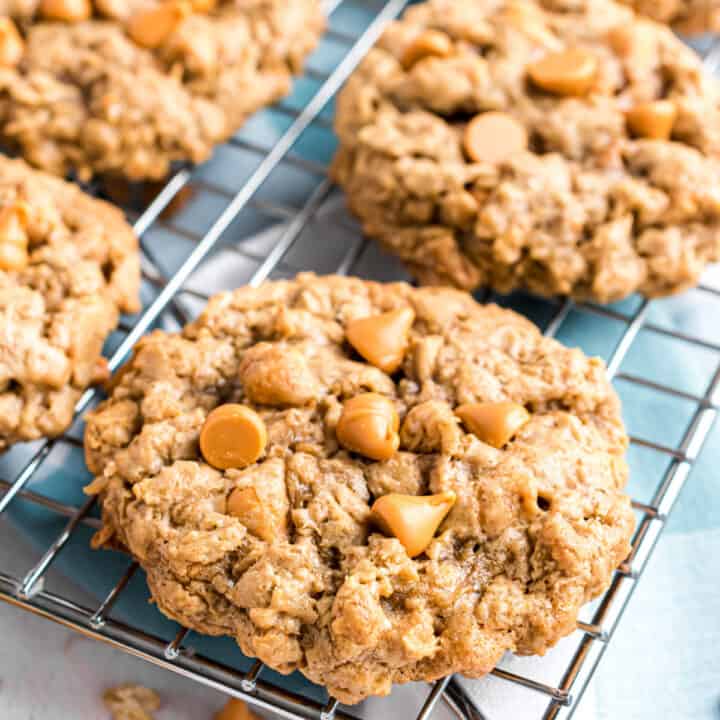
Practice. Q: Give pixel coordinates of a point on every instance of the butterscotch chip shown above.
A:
(159, 89)
(66, 10)
(570, 72)
(204, 5)
(335, 554)
(236, 710)
(429, 43)
(11, 43)
(382, 339)
(69, 266)
(494, 423)
(494, 137)
(512, 163)
(653, 120)
(13, 237)
(152, 27)
(369, 426)
(233, 436)
(412, 519)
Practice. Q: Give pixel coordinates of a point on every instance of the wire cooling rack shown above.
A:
(280, 181)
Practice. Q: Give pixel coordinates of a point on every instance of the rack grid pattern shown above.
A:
(171, 293)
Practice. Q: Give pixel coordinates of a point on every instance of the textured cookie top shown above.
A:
(68, 265)
(128, 87)
(687, 16)
(283, 554)
(567, 147)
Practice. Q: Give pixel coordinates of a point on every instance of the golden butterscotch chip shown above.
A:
(493, 423)
(233, 436)
(652, 120)
(13, 237)
(369, 426)
(569, 72)
(429, 43)
(236, 710)
(527, 17)
(494, 137)
(636, 43)
(412, 519)
(382, 339)
(201, 6)
(66, 10)
(151, 28)
(12, 46)
(247, 506)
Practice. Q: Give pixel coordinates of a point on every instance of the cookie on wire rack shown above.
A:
(126, 88)
(567, 148)
(369, 483)
(69, 265)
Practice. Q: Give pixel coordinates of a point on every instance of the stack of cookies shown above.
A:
(369, 483)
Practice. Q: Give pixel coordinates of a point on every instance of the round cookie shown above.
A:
(567, 148)
(69, 265)
(455, 546)
(126, 88)
(690, 17)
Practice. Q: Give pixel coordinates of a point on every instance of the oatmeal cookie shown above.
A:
(69, 265)
(127, 87)
(690, 17)
(368, 483)
(565, 147)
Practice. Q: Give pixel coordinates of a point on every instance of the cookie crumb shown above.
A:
(131, 702)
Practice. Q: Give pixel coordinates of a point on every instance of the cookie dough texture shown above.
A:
(687, 16)
(86, 97)
(537, 529)
(55, 313)
(588, 210)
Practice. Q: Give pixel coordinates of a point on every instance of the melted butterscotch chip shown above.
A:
(12, 46)
(13, 237)
(569, 72)
(369, 426)
(233, 436)
(652, 120)
(493, 137)
(429, 43)
(494, 423)
(70, 11)
(152, 27)
(412, 519)
(382, 339)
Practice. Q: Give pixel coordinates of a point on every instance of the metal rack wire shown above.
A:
(169, 291)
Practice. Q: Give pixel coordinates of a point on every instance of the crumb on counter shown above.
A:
(131, 702)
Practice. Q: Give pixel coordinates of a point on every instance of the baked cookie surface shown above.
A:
(69, 265)
(568, 148)
(687, 16)
(126, 88)
(437, 556)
